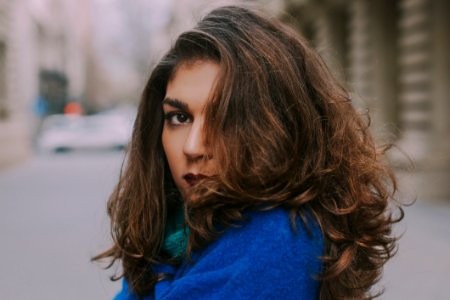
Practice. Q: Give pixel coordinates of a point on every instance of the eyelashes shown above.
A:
(177, 118)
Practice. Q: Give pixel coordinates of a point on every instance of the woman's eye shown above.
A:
(177, 118)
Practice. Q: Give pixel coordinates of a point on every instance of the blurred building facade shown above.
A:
(395, 57)
(42, 54)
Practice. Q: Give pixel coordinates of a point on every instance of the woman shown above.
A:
(249, 175)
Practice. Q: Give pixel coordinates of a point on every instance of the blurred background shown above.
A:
(71, 74)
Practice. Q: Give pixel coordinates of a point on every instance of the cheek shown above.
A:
(173, 147)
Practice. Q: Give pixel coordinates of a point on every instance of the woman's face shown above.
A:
(187, 94)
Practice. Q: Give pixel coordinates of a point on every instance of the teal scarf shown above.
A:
(175, 235)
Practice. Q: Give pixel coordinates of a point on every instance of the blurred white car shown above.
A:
(62, 133)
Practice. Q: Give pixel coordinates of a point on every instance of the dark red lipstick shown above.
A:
(193, 179)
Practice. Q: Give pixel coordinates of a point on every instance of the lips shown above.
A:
(193, 179)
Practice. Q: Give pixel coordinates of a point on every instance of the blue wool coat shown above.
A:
(262, 259)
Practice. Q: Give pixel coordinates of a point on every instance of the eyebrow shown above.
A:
(175, 103)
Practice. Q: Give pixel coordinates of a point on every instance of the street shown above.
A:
(421, 268)
(53, 220)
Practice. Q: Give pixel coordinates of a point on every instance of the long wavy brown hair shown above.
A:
(284, 134)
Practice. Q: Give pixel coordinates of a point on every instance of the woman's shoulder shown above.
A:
(262, 258)
(269, 236)
(277, 223)
(275, 226)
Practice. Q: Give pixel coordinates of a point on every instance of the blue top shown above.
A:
(262, 259)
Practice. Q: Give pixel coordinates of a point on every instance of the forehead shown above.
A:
(193, 82)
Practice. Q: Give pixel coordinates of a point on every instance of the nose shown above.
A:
(194, 145)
